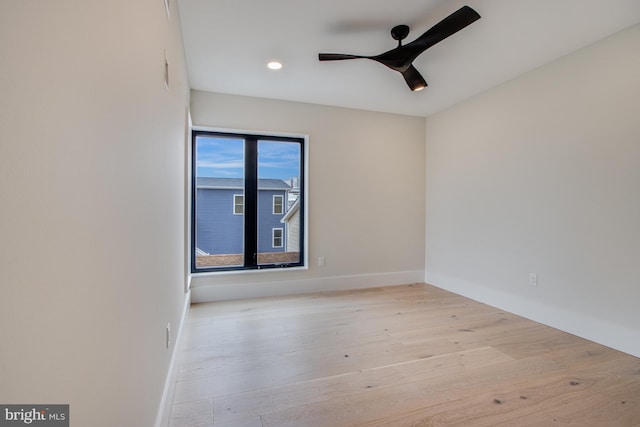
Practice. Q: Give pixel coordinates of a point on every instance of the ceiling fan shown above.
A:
(401, 58)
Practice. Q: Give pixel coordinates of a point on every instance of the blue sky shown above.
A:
(219, 157)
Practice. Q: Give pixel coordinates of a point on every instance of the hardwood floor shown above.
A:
(410, 355)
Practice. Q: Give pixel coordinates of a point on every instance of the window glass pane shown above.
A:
(278, 207)
(238, 204)
(248, 201)
(277, 237)
(279, 173)
(219, 201)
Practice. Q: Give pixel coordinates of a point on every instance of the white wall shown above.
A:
(542, 175)
(366, 195)
(91, 195)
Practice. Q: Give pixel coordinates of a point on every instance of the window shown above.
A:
(238, 204)
(262, 178)
(278, 205)
(277, 237)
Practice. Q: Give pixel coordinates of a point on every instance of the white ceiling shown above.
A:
(229, 42)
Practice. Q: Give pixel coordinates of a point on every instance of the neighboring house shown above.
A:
(220, 215)
(291, 221)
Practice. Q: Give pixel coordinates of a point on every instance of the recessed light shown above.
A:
(274, 65)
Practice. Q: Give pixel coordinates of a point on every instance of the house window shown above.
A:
(278, 205)
(238, 204)
(277, 237)
(263, 176)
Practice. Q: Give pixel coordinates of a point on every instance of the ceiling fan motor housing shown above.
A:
(400, 32)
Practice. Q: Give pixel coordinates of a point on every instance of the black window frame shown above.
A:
(250, 193)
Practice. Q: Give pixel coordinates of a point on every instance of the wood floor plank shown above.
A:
(411, 355)
(423, 389)
(325, 391)
(541, 401)
(197, 413)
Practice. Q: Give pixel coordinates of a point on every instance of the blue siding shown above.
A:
(267, 221)
(219, 231)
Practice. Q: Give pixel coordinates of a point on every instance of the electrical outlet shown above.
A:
(168, 335)
(533, 279)
(322, 261)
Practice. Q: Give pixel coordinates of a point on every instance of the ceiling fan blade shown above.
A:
(338, 56)
(413, 78)
(445, 28)
(401, 58)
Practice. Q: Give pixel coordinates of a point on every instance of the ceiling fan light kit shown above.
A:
(401, 58)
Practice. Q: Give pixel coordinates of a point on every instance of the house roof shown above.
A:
(292, 210)
(218, 183)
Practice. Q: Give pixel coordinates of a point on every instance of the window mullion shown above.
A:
(251, 203)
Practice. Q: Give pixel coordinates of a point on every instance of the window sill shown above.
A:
(251, 271)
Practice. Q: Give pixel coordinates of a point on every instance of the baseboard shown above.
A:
(220, 291)
(164, 410)
(616, 336)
